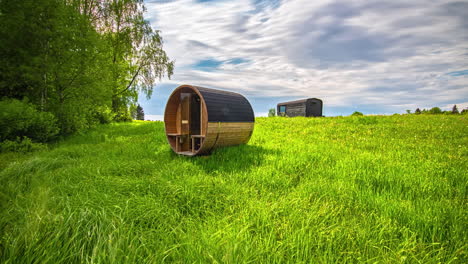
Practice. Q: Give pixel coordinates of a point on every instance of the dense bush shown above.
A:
(19, 119)
(104, 115)
(272, 112)
(123, 115)
(356, 113)
(22, 145)
(435, 110)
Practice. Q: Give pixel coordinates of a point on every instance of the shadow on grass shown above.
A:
(232, 159)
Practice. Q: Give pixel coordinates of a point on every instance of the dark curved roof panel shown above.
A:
(223, 106)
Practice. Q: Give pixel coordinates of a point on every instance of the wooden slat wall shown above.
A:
(226, 134)
(171, 114)
(204, 118)
(296, 109)
(178, 120)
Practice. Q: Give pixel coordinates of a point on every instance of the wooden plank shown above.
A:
(178, 120)
(228, 133)
(204, 118)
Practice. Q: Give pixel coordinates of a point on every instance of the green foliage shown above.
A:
(123, 115)
(21, 145)
(271, 112)
(303, 190)
(138, 58)
(435, 110)
(365, 120)
(140, 114)
(21, 119)
(455, 110)
(104, 115)
(356, 113)
(76, 58)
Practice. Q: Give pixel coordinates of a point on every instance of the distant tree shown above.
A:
(356, 113)
(418, 111)
(464, 111)
(137, 58)
(435, 111)
(408, 111)
(271, 112)
(455, 110)
(140, 114)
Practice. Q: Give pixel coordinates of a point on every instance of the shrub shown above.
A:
(356, 113)
(104, 115)
(21, 145)
(365, 120)
(123, 116)
(19, 119)
(271, 112)
(435, 110)
(140, 114)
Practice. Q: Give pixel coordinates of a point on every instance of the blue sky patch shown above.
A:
(207, 65)
(212, 64)
(458, 73)
(237, 61)
(209, 1)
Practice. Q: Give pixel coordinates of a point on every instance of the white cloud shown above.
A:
(154, 117)
(393, 55)
(460, 106)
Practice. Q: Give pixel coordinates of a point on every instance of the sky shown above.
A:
(376, 57)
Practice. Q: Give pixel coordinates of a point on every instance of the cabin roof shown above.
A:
(224, 106)
(299, 101)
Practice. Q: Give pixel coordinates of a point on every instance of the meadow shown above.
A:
(372, 189)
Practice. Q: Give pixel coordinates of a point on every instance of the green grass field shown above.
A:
(387, 189)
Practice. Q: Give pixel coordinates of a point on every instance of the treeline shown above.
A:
(82, 62)
(437, 110)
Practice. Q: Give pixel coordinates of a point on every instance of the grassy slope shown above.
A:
(351, 189)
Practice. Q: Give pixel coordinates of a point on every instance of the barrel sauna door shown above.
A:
(183, 121)
(189, 122)
(184, 113)
(195, 111)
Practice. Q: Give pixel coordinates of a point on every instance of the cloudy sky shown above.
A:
(377, 57)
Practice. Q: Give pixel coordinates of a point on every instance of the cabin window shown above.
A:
(282, 109)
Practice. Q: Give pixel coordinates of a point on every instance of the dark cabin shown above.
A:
(198, 119)
(306, 107)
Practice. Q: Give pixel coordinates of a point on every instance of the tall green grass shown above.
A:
(387, 189)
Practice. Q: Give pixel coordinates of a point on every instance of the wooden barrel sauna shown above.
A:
(198, 119)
